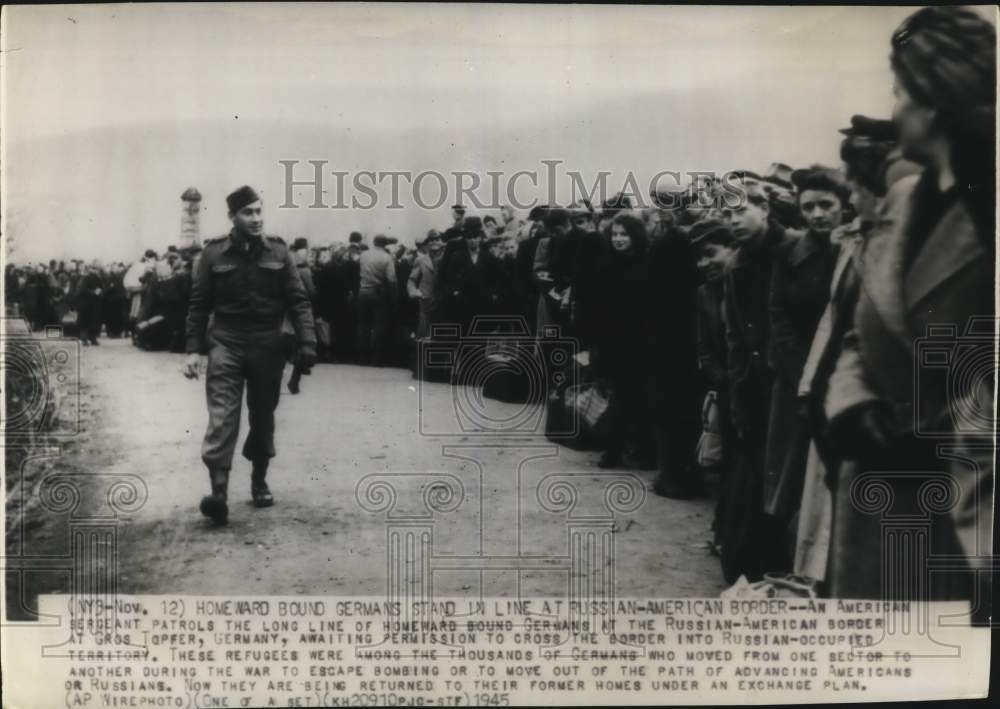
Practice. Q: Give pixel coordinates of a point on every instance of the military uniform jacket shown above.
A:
(247, 289)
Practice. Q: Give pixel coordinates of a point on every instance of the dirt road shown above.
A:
(508, 508)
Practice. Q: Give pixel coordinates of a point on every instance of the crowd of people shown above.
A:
(146, 300)
(764, 342)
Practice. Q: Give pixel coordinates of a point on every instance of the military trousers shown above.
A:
(253, 360)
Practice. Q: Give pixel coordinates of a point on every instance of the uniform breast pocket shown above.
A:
(269, 276)
(225, 280)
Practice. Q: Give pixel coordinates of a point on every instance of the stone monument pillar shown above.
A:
(191, 218)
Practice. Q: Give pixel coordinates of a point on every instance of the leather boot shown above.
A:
(258, 486)
(214, 506)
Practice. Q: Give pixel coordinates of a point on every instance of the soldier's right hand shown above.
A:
(192, 366)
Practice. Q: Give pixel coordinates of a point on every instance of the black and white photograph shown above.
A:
(423, 318)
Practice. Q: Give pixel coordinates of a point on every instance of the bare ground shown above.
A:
(141, 418)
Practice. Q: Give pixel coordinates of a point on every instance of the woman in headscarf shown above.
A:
(917, 367)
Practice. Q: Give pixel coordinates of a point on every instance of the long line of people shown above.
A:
(754, 330)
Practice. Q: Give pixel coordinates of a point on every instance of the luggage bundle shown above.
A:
(509, 374)
(577, 409)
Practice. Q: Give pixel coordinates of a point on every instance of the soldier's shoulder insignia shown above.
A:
(215, 240)
(278, 239)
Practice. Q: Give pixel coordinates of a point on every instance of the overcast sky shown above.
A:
(110, 112)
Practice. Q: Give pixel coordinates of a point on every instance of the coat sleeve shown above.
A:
(298, 307)
(523, 279)
(199, 307)
(786, 355)
(708, 360)
(972, 464)
(736, 353)
(413, 282)
(307, 283)
(390, 278)
(848, 387)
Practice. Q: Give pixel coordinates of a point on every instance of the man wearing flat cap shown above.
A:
(248, 281)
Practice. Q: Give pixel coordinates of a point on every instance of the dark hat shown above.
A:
(150, 254)
(865, 151)
(459, 207)
(617, 202)
(819, 177)
(172, 249)
(380, 240)
(392, 240)
(432, 234)
(778, 173)
(667, 195)
(242, 197)
(710, 231)
(489, 219)
(472, 226)
(355, 238)
(300, 243)
(556, 217)
(537, 213)
(746, 174)
(873, 128)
